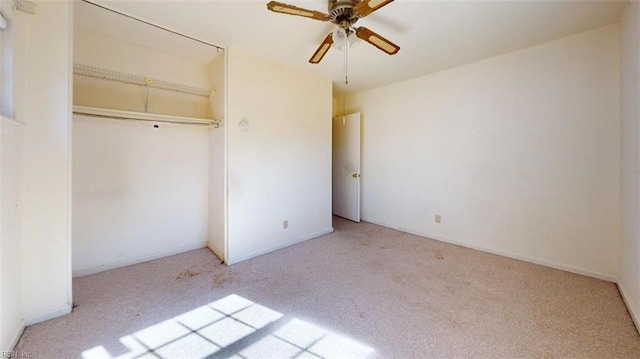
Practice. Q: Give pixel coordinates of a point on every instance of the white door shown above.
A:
(346, 167)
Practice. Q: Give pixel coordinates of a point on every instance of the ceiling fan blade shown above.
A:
(298, 11)
(366, 7)
(377, 41)
(322, 49)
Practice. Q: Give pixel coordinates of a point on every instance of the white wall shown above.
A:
(12, 42)
(519, 154)
(11, 322)
(217, 161)
(96, 50)
(45, 107)
(629, 282)
(280, 169)
(139, 192)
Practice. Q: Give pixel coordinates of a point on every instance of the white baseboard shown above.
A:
(634, 316)
(215, 251)
(551, 264)
(280, 246)
(34, 319)
(128, 262)
(14, 341)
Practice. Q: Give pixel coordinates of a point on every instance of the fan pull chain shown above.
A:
(346, 62)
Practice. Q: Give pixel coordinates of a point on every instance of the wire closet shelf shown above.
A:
(95, 72)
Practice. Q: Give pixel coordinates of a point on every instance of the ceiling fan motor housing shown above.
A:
(341, 12)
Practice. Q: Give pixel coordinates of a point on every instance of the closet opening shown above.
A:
(148, 142)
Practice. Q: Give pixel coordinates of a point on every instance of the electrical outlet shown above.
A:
(285, 224)
(438, 218)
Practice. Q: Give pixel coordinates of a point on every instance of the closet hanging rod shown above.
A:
(213, 124)
(109, 114)
(218, 48)
(95, 72)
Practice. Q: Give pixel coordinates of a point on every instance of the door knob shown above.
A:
(355, 175)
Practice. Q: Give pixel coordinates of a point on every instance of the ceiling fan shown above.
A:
(343, 13)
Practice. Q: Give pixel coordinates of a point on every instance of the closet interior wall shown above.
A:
(217, 161)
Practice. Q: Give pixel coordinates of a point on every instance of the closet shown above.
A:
(148, 142)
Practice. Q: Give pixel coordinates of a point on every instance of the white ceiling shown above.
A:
(433, 35)
(114, 25)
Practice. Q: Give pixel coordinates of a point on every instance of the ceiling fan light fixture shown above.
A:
(341, 37)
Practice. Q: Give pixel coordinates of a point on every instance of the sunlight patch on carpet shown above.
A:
(234, 327)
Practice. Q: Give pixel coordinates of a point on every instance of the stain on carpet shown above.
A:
(398, 278)
(219, 279)
(187, 274)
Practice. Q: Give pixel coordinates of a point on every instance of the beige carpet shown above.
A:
(363, 291)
